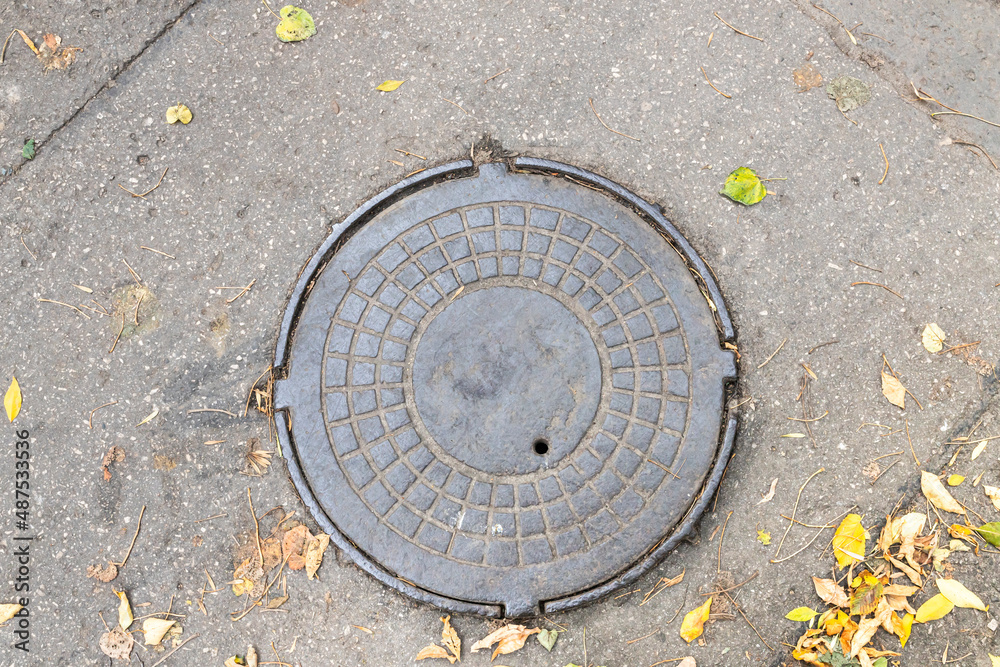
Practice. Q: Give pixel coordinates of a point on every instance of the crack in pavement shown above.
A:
(121, 69)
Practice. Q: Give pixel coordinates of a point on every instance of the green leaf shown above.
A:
(744, 186)
(28, 152)
(801, 614)
(547, 638)
(881, 662)
(990, 532)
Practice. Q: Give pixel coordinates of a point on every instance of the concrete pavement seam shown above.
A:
(122, 68)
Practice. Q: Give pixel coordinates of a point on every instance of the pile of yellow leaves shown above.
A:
(875, 597)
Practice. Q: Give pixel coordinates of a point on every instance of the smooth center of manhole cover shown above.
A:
(520, 387)
(503, 391)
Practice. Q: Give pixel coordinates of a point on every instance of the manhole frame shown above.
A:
(650, 213)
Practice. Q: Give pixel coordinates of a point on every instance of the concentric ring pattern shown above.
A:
(446, 507)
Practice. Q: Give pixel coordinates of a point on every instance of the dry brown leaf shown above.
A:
(277, 602)
(899, 603)
(292, 546)
(116, 453)
(900, 589)
(7, 612)
(938, 495)
(508, 639)
(154, 629)
(913, 574)
(271, 548)
(687, 662)
(770, 493)
(979, 449)
(55, 56)
(434, 651)
(116, 644)
(993, 493)
(830, 592)
(910, 526)
(450, 638)
(247, 578)
(315, 548)
(807, 77)
(104, 574)
(866, 630)
(251, 658)
(893, 390)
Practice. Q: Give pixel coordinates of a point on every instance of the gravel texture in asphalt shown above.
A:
(287, 139)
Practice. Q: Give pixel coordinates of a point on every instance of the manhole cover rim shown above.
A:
(372, 208)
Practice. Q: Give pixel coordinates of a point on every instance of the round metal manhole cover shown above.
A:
(504, 391)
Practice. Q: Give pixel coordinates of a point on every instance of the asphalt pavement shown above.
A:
(288, 139)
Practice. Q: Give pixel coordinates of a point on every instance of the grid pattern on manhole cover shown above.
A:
(446, 506)
(504, 392)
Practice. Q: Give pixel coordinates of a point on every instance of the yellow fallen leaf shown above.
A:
(125, 617)
(180, 113)
(794, 435)
(959, 595)
(902, 628)
(7, 611)
(955, 480)
(450, 638)
(154, 629)
(801, 614)
(389, 86)
(694, 622)
(993, 493)
(315, 548)
(508, 639)
(27, 40)
(849, 541)
(434, 651)
(12, 399)
(893, 390)
(935, 608)
(994, 660)
(764, 537)
(296, 24)
(938, 495)
(932, 338)
(829, 592)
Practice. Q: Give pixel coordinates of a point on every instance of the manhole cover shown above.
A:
(504, 390)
